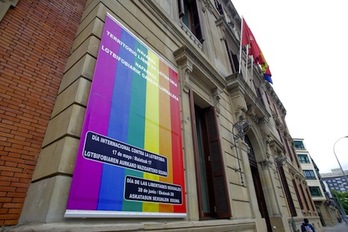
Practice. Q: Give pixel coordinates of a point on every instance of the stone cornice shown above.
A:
(275, 98)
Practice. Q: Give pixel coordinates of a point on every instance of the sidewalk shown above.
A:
(340, 227)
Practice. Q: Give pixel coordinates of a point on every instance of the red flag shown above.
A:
(249, 39)
(255, 51)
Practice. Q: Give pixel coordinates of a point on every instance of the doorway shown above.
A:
(258, 185)
(212, 190)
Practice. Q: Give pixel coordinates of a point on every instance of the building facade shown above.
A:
(147, 123)
(336, 180)
(326, 208)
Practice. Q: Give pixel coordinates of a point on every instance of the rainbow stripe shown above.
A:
(134, 99)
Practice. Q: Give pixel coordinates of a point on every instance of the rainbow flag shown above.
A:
(130, 160)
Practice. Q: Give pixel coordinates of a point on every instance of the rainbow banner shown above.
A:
(130, 161)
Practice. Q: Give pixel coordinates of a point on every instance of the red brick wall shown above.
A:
(35, 40)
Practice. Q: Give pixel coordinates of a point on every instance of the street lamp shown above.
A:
(343, 212)
(338, 160)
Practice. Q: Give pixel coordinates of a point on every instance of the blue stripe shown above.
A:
(112, 183)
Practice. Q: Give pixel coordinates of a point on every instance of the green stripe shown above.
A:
(136, 128)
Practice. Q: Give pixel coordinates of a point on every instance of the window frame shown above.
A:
(309, 174)
(304, 158)
(193, 18)
(317, 188)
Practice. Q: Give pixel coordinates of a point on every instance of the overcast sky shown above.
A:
(305, 43)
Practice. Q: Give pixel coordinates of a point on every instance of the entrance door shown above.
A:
(258, 186)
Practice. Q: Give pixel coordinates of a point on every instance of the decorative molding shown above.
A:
(191, 35)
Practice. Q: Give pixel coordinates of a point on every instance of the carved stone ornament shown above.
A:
(266, 163)
(216, 98)
(186, 83)
(280, 160)
(207, 5)
(252, 114)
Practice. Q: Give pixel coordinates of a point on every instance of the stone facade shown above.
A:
(259, 170)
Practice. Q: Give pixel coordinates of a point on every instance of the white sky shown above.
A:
(305, 43)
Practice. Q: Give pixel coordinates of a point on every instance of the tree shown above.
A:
(342, 198)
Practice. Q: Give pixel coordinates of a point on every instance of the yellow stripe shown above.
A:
(152, 119)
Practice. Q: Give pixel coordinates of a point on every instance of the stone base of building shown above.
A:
(202, 226)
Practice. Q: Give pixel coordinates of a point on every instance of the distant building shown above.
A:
(325, 207)
(335, 180)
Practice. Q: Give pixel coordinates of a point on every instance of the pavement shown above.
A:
(340, 227)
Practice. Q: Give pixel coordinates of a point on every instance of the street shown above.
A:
(340, 227)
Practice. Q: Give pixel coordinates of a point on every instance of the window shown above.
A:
(232, 58)
(304, 196)
(310, 199)
(218, 7)
(297, 194)
(315, 191)
(259, 94)
(303, 158)
(188, 14)
(287, 190)
(299, 145)
(309, 174)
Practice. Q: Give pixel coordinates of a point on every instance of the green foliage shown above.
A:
(342, 197)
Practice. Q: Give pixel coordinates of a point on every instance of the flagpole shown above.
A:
(246, 62)
(252, 70)
(240, 46)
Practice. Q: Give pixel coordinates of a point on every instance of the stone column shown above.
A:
(48, 193)
(185, 69)
(248, 179)
(270, 188)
